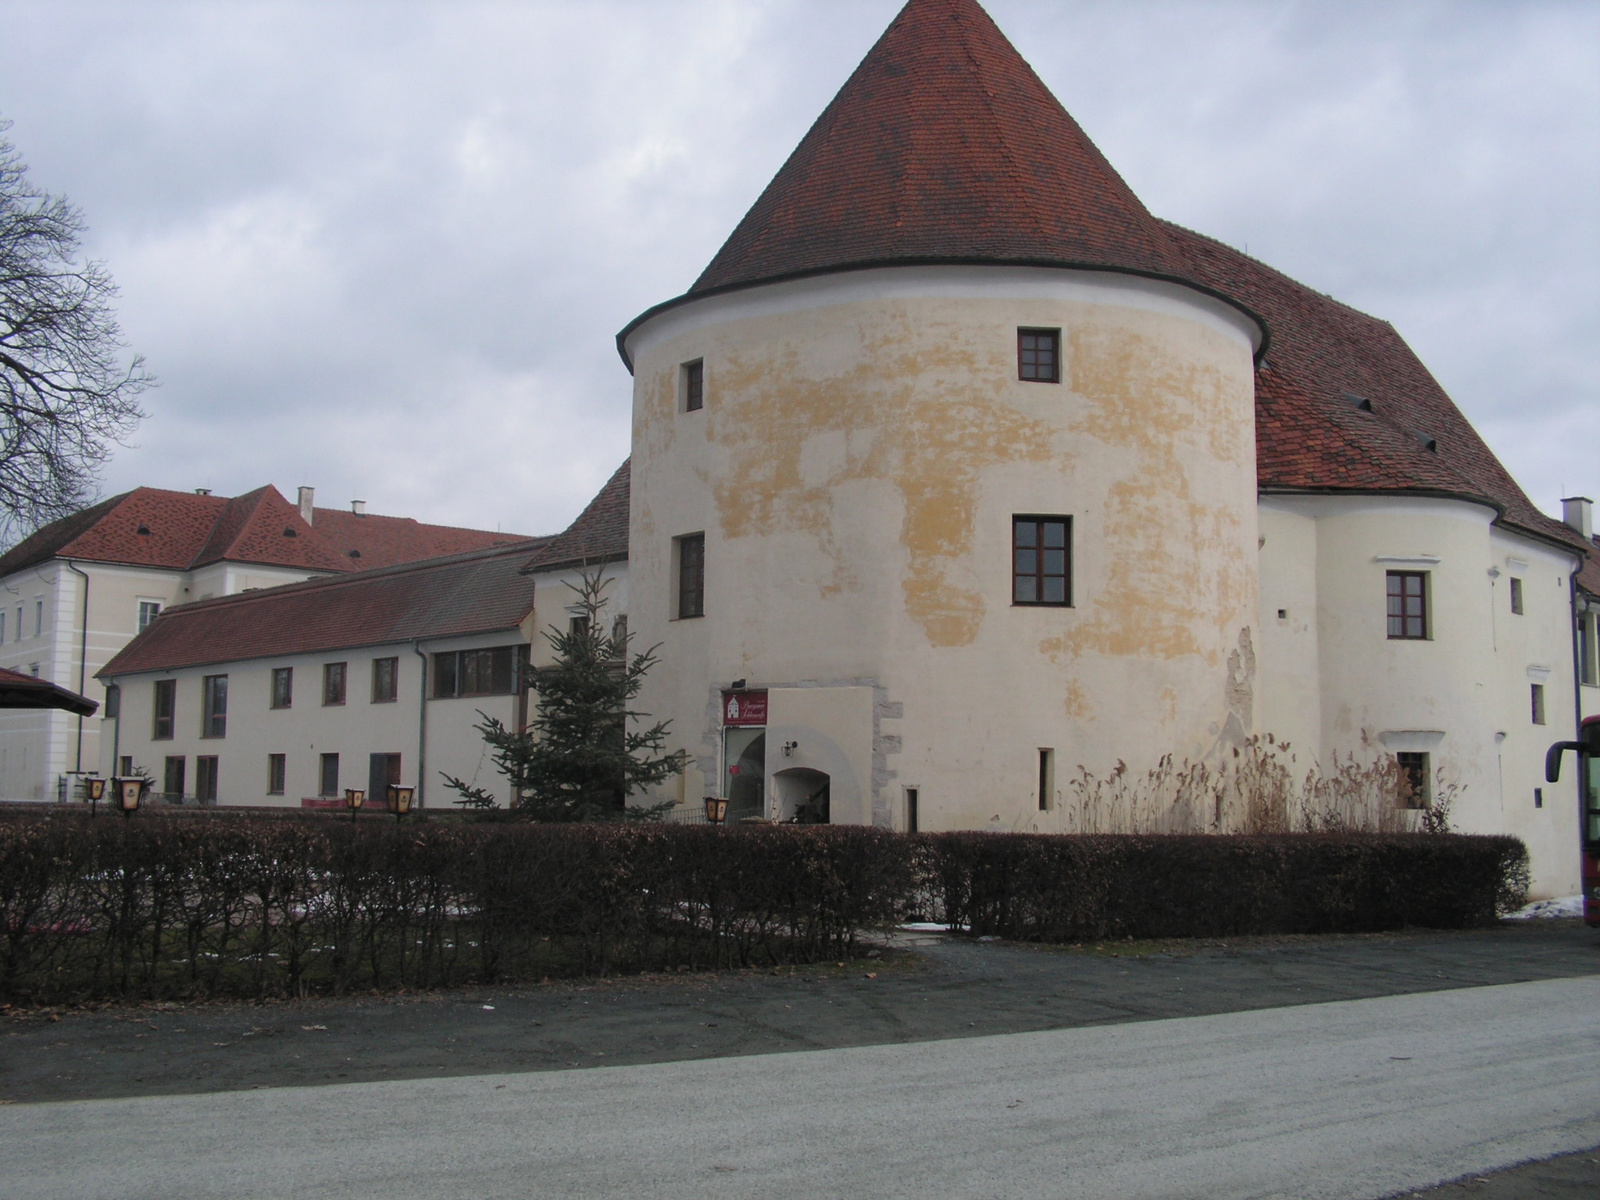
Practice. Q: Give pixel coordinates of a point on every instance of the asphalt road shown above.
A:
(1356, 1098)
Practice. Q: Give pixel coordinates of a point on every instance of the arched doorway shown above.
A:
(801, 796)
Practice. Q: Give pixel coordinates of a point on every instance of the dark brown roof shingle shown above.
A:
(600, 534)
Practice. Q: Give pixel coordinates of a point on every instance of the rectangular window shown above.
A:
(214, 697)
(1538, 704)
(173, 783)
(165, 708)
(912, 816)
(385, 686)
(19, 622)
(1413, 779)
(694, 385)
(277, 772)
(205, 778)
(333, 679)
(329, 776)
(382, 770)
(148, 611)
(1039, 355)
(2, 625)
(282, 687)
(1408, 605)
(489, 672)
(1046, 778)
(1516, 595)
(692, 575)
(1587, 668)
(125, 765)
(1041, 560)
(38, 616)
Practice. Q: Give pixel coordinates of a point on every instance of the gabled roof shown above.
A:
(944, 146)
(1343, 404)
(600, 534)
(180, 531)
(24, 691)
(483, 591)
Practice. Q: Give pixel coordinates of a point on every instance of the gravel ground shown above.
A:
(917, 988)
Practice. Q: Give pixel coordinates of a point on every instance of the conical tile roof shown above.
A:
(943, 146)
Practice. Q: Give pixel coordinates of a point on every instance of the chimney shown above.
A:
(359, 507)
(1578, 511)
(307, 496)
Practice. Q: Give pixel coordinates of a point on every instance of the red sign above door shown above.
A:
(744, 708)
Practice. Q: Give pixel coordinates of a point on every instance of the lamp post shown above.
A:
(95, 791)
(129, 793)
(354, 798)
(400, 800)
(716, 810)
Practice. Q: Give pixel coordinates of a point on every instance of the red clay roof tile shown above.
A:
(600, 534)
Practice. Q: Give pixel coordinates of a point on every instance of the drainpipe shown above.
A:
(422, 721)
(83, 656)
(116, 729)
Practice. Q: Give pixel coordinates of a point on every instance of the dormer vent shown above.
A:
(355, 554)
(289, 531)
(202, 491)
(1429, 442)
(144, 530)
(1356, 401)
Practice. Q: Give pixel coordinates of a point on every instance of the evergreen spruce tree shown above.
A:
(583, 753)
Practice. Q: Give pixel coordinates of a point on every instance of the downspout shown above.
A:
(116, 730)
(422, 721)
(83, 657)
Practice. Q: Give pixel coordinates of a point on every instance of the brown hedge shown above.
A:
(1081, 888)
(151, 908)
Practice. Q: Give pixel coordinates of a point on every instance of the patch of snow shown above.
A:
(1562, 906)
(928, 927)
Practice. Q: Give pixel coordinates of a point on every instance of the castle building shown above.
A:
(957, 471)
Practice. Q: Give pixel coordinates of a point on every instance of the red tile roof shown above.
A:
(942, 147)
(600, 534)
(25, 691)
(181, 531)
(483, 591)
(1343, 404)
(1589, 577)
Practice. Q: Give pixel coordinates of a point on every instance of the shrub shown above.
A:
(1079, 888)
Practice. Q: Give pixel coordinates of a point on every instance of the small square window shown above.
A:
(282, 687)
(694, 385)
(1516, 596)
(1408, 605)
(1039, 355)
(333, 681)
(1538, 704)
(385, 679)
(1041, 560)
(1414, 778)
(148, 611)
(277, 773)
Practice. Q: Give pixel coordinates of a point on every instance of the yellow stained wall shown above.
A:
(863, 446)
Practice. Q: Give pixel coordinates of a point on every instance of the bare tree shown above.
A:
(66, 393)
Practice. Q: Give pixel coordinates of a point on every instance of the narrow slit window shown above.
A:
(694, 385)
(277, 773)
(1516, 595)
(1538, 704)
(692, 575)
(1046, 778)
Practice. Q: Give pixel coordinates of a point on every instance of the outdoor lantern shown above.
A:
(716, 810)
(400, 800)
(354, 798)
(129, 792)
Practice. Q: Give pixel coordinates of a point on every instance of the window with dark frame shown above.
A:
(492, 671)
(692, 575)
(334, 676)
(1586, 649)
(328, 776)
(205, 779)
(385, 680)
(282, 687)
(913, 817)
(173, 775)
(1039, 355)
(1516, 595)
(214, 706)
(165, 709)
(277, 773)
(1045, 780)
(694, 385)
(1041, 560)
(1538, 703)
(1408, 605)
(1414, 774)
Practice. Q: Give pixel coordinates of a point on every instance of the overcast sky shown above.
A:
(384, 248)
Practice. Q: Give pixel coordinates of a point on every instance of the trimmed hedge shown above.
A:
(248, 907)
(1082, 888)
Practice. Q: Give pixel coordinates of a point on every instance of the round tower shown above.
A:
(943, 474)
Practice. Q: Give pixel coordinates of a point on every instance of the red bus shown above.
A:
(1587, 748)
